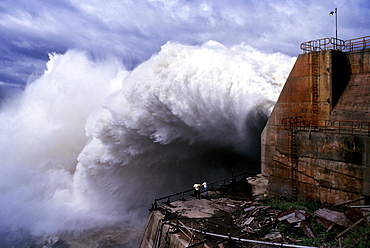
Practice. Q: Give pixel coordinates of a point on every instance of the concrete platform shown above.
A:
(193, 208)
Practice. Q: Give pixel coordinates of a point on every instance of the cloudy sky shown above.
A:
(133, 30)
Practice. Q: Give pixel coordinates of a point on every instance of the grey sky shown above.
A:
(135, 30)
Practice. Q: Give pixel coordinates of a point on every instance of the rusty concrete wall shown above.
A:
(296, 97)
(328, 165)
(354, 103)
(295, 100)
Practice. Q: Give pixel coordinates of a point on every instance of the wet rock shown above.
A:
(274, 236)
(259, 186)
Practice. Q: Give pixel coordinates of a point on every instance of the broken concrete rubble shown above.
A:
(297, 218)
(274, 236)
(349, 219)
(333, 216)
(259, 186)
(260, 221)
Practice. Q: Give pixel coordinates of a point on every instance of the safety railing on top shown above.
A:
(339, 126)
(187, 193)
(336, 44)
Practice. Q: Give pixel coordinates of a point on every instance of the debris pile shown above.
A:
(297, 218)
(348, 219)
(265, 222)
(258, 221)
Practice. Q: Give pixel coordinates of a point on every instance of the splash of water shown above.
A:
(90, 144)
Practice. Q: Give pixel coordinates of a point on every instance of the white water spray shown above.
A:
(90, 144)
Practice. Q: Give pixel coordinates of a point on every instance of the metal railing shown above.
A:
(298, 122)
(358, 43)
(340, 126)
(187, 193)
(337, 44)
(348, 126)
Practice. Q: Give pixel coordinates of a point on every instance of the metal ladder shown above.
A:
(315, 84)
(293, 154)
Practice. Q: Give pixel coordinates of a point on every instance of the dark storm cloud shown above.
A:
(134, 30)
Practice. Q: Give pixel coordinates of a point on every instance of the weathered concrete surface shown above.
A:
(155, 233)
(157, 228)
(355, 101)
(295, 100)
(298, 151)
(194, 208)
(330, 167)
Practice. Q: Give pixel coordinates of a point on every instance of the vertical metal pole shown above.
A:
(336, 28)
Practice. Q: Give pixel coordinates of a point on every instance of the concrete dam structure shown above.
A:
(316, 143)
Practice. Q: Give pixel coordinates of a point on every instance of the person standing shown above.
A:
(197, 190)
(204, 184)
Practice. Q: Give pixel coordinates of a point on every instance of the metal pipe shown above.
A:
(160, 228)
(248, 240)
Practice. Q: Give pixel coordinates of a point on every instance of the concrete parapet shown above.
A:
(156, 233)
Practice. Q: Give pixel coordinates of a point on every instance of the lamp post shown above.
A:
(336, 25)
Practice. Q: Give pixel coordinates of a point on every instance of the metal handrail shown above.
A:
(181, 195)
(316, 45)
(341, 125)
(335, 43)
(358, 43)
(352, 125)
